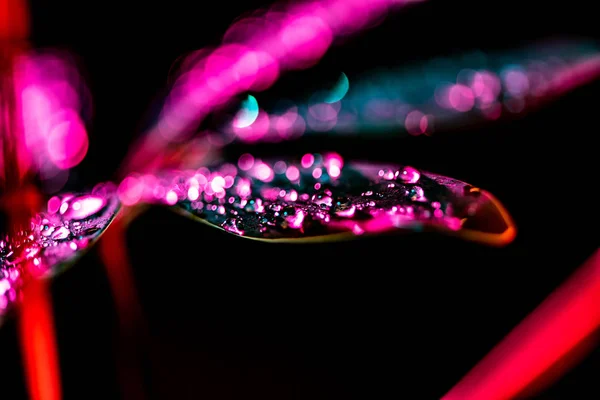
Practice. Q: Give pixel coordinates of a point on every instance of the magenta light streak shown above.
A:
(581, 73)
(255, 51)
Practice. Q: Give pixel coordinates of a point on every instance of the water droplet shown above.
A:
(417, 193)
(345, 211)
(46, 230)
(409, 175)
(322, 199)
(60, 233)
(83, 207)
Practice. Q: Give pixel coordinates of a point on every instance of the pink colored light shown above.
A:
(304, 39)
(516, 82)
(461, 98)
(46, 133)
(333, 163)
(193, 193)
(264, 172)
(68, 142)
(244, 188)
(409, 175)
(414, 122)
(296, 221)
(486, 86)
(288, 124)
(292, 173)
(130, 190)
(307, 160)
(217, 184)
(171, 197)
(54, 204)
(581, 72)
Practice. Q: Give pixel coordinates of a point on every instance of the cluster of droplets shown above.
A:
(315, 196)
(55, 237)
(10, 277)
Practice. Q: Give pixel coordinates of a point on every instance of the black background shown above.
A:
(392, 317)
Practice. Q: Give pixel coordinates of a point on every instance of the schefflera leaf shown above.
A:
(55, 238)
(321, 198)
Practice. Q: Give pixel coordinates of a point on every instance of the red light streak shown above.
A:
(38, 342)
(115, 258)
(566, 319)
(36, 322)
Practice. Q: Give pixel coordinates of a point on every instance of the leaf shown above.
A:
(319, 198)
